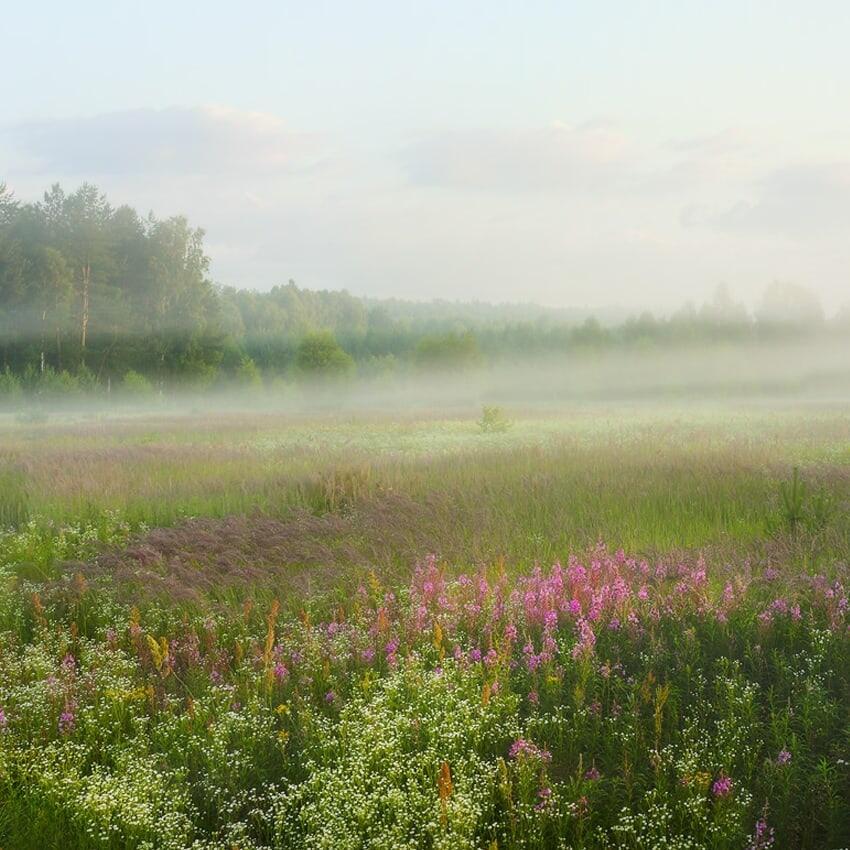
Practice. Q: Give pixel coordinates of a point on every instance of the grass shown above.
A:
(646, 481)
(265, 632)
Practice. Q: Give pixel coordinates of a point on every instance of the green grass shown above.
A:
(646, 480)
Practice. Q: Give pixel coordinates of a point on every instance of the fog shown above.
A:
(797, 374)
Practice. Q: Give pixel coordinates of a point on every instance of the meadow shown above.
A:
(612, 626)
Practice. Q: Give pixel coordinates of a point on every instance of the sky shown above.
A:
(575, 154)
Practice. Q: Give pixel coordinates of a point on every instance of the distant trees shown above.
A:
(319, 356)
(84, 285)
(789, 304)
(450, 350)
(95, 296)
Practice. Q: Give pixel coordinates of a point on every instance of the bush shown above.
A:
(449, 351)
(136, 385)
(493, 420)
(10, 387)
(319, 355)
(247, 374)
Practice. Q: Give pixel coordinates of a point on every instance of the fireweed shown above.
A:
(603, 702)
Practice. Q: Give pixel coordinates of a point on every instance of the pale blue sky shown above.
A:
(569, 153)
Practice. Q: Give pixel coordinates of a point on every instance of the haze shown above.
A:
(573, 155)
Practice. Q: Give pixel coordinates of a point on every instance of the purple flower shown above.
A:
(67, 720)
(525, 748)
(4, 721)
(544, 796)
(330, 697)
(784, 757)
(722, 786)
(592, 775)
(762, 836)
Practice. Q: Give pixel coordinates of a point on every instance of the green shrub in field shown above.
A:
(803, 509)
(136, 385)
(11, 388)
(493, 420)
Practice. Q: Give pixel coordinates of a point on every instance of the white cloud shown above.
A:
(560, 157)
(198, 140)
(797, 202)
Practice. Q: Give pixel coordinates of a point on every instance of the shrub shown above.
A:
(11, 388)
(320, 356)
(493, 420)
(136, 385)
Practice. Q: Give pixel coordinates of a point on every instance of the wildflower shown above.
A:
(592, 775)
(763, 836)
(534, 697)
(280, 671)
(522, 747)
(784, 757)
(330, 697)
(722, 786)
(544, 795)
(445, 788)
(4, 721)
(67, 720)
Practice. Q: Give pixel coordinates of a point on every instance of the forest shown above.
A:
(95, 297)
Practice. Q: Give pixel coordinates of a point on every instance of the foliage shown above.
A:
(84, 284)
(493, 420)
(605, 702)
(800, 507)
(14, 497)
(448, 351)
(10, 387)
(136, 385)
(319, 355)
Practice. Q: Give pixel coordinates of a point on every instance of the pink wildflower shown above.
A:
(722, 786)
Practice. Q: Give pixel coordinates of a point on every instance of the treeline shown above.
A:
(95, 297)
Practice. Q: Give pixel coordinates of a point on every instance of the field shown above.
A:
(614, 626)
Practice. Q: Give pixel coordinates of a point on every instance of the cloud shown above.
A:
(797, 201)
(177, 140)
(559, 157)
(729, 141)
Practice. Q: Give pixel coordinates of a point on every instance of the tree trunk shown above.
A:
(43, 317)
(84, 328)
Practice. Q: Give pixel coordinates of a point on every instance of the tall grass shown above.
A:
(642, 481)
(14, 496)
